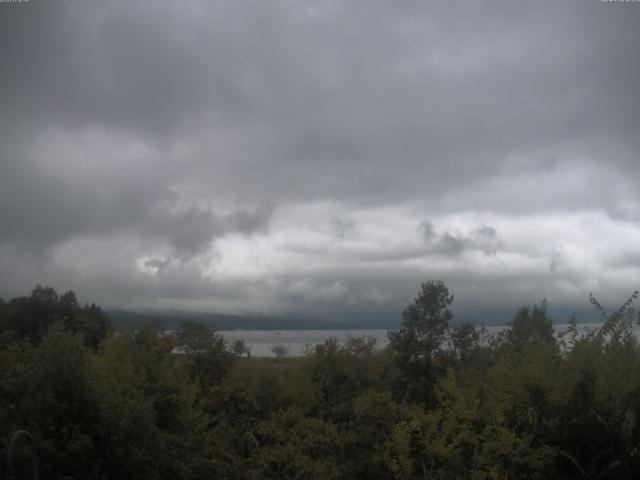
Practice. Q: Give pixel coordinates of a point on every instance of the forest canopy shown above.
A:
(443, 400)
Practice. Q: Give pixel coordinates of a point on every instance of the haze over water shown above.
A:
(297, 341)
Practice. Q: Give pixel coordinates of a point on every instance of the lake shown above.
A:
(296, 341)
(261, 341)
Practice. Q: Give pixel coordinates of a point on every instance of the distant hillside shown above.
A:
(173, 319)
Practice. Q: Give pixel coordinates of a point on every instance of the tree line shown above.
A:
(442, 401)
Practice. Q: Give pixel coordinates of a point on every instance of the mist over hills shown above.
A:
(171, 319)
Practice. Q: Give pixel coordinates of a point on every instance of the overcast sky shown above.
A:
(322, 157)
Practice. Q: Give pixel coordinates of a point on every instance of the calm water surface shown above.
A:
(296, 341)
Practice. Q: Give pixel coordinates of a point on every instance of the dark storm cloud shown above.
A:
(69, 63)
(482, 238)
(172, 123)
(191, 230)
(39, 211)
(45, 210)
(341, 226)
(399, 98)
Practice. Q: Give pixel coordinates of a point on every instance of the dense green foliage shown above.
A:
(440, 402)
(31, 317)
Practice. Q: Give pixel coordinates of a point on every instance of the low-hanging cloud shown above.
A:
(483, 238)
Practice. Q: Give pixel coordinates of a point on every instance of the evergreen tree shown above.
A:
(416, 343)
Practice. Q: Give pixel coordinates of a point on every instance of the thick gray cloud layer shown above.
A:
(319, 156)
